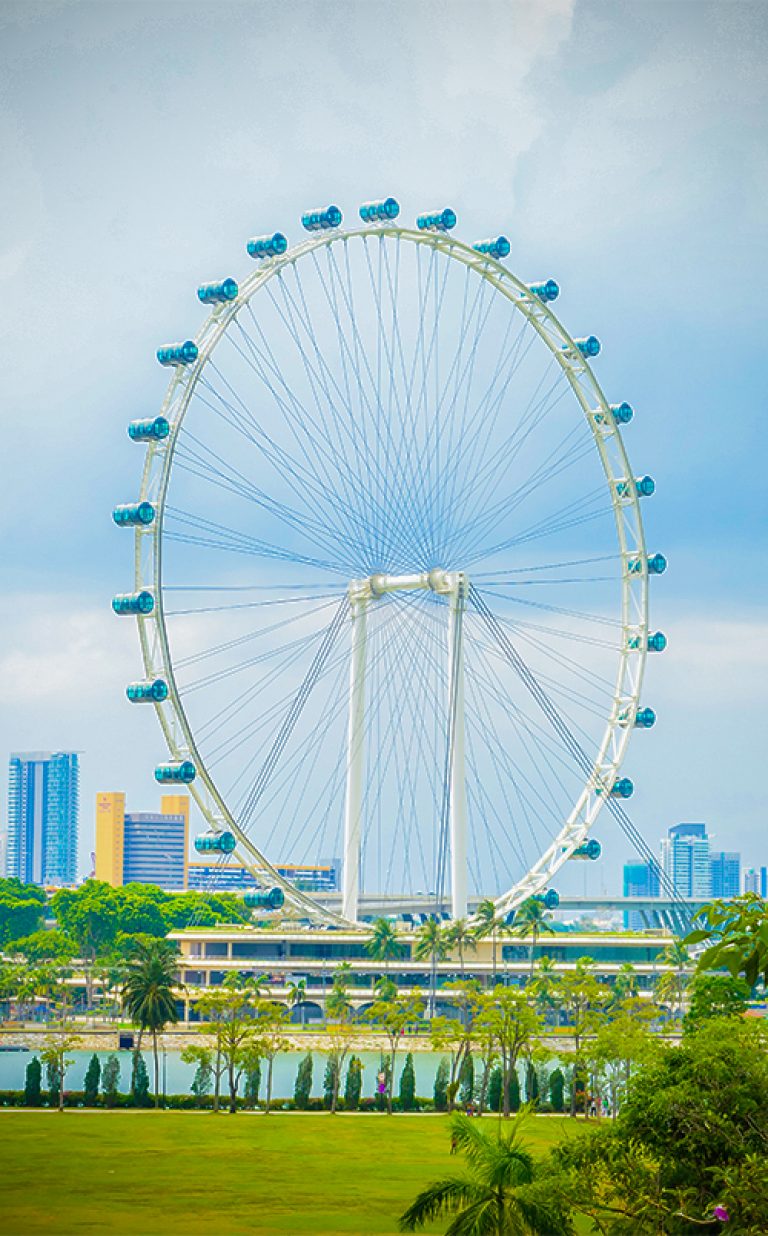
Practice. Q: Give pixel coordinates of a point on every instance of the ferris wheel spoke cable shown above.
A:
(578, 511)
(576, 749)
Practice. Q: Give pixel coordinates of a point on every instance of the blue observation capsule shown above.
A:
(545, 291)
(437, 220)
(262, 247)
(657, 565)
(645, 718)
(589, 346)
(134, 514)
(657, 642)
(220, 843)
(622, 413)
(496, 248)
(550, 900)
(644, 487)
(379, 212)
(149, 430)
(177, 353)
(623, 788)
(265, 899)
(591, 850)
(178, 771)
(133, 603)
(321, 220)
(217, 293)
(147, 692)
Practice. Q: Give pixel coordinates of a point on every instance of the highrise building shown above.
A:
(640, 880)
(725, 870)
(142, 847)
(43, 810)
(764, 882)
(752, 881)
(685, 860)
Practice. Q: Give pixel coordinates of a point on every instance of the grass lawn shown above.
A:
(158, 1174)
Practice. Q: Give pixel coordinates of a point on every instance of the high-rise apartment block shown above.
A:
(725, 870)
(43, 809)
(142, 847)
(752, 881)
(640, 880)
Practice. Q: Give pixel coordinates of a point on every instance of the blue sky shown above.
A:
(621, 147)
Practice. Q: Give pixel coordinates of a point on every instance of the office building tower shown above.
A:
(640, 880)
(725, 871)
(43, 809)
(764, 882)
(685, 860)
(142, 847)
(752, 881)
(310, 877)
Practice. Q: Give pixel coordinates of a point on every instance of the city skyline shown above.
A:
(636, 262)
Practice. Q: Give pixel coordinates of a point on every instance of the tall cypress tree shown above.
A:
(92, 1080)
(303, 1088)
(32, 1083)
(441, 1086)
(139, 1081)
(408, 1085)
(354, 1084)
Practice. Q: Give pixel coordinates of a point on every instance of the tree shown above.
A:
(531, 920)
(148, 993)
(715, 995)
(230, 1016)
(487, 923)
(46, 945)
(383, 944)
(691, 1136)
(431, 943)
(354, 1084)
(618, 1049)
(252, 1074)
(507, 1015)
(531, 1083)
(303, 1087)
(737, 932)
(545, 989)
(393, 1013)
(92, 1080)
(456, 1035)
(442, 1075)
(494, 1089)
(461, 936)
(338, 1005)
(582, 997)
(499, 1195)
(671, 984)
(467, 1080)
(110, 1079)
(339, 1040)
(330, 1082)
(139, 1080)
(408, 1085)
(270, 1019)
(32, 1083)
(21, 910)
(54, 1055)
(297, 993)
(202, 1057)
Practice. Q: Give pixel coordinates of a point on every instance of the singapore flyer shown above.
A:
(391, 580)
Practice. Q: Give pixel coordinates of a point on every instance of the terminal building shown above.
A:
(232, 878)
(142, 847)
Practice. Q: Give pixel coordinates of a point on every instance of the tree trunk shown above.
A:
(506, 1077)
(157, 1068)
(493, 945)
(269, 1086)
(217, 1084)
(391, 1078)
(61, 1083)
(232, 1088)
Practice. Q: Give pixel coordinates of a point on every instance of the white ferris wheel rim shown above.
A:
(628, 521)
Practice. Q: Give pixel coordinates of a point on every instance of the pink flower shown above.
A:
(721, 1213)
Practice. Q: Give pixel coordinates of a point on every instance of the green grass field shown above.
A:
(159, 1174)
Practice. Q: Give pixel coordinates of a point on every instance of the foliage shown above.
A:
(53, 1054)
(442, 1075)
(532, 919)
(53, 1081)
(501, 1194)
(715, 995)
(495, 1099)
(506, 1015)
(557, 1090)
(110, 1079)
(303, 1088)
(91, 1082)
(21, 910)
(252, 1073)
(383, 944)
(139, 1080)
(531, 1083)
(461, 936)
(408, 1085)
(494, 1089)
(354, 1084)
(202, 1057)
(737, 932)
(691, 1135)
(467, 1080)
(32, 1083)
(330, 1082)
(44, 945)
(393, 1013)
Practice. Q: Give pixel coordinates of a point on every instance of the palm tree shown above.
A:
(673, 984)
(531, 920)
(431, 942)
(383, 944)
(488, 923)
(148, 992)
(296, 995)
(545, 987)
(498, 1196)
(461, 936)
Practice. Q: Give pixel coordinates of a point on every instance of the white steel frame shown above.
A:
(634, 589)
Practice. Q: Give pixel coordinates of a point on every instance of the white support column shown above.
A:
(358, 597)
(458, 790)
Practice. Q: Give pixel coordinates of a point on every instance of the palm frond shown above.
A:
(442, 1197)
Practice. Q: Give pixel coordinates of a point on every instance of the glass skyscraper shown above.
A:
(685, 859)
(43, 811)
(726, 873)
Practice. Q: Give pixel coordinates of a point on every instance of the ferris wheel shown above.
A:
(391, 579)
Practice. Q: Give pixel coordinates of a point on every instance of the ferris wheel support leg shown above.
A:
(355, 760)
(458, 789)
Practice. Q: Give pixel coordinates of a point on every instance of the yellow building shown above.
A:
(138, 846)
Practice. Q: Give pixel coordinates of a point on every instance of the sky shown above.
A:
(621, 147)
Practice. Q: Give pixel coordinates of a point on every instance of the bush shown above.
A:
(303, 1086)
(33, 1083)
